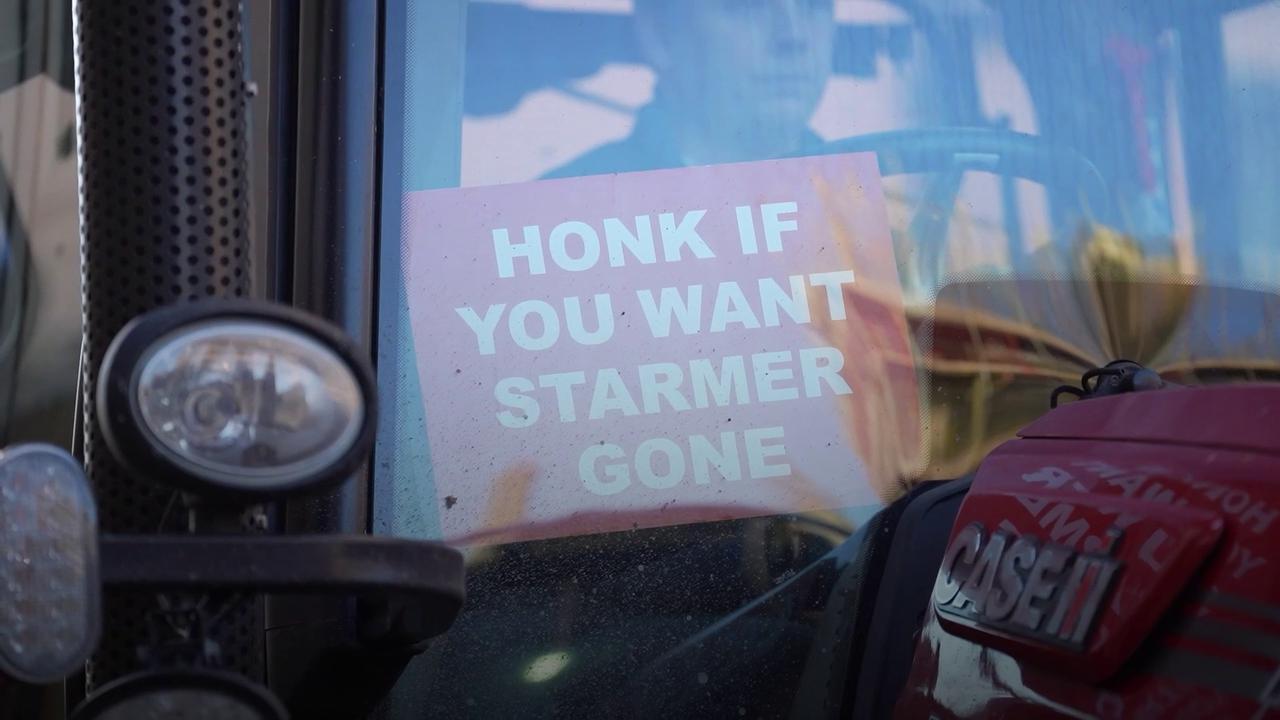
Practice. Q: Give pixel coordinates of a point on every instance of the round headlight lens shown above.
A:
(248, 404)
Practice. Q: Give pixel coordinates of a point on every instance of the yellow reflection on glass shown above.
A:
(544, 667)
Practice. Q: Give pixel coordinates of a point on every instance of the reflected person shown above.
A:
(737, 80)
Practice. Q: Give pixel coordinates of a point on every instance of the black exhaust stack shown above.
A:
(161, 105)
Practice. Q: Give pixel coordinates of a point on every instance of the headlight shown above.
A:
(190, 694)
(49, 594)
(236, 396)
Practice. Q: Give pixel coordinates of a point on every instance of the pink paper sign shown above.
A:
(621, 351)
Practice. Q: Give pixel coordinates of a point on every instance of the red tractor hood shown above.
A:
(1118, 559)
(1238, 417)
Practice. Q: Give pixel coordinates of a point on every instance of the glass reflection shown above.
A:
(735, 81)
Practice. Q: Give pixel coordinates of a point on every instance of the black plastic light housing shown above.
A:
(236, 397)
(182, 694)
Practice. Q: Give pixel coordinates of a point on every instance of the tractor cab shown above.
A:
(621, 358)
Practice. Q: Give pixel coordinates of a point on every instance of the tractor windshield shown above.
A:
(675, 296)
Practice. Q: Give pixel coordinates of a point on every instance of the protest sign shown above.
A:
(617, 351)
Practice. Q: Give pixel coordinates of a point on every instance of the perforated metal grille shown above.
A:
(161, 107)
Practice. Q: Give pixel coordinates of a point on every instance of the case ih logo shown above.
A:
(1045, 592)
